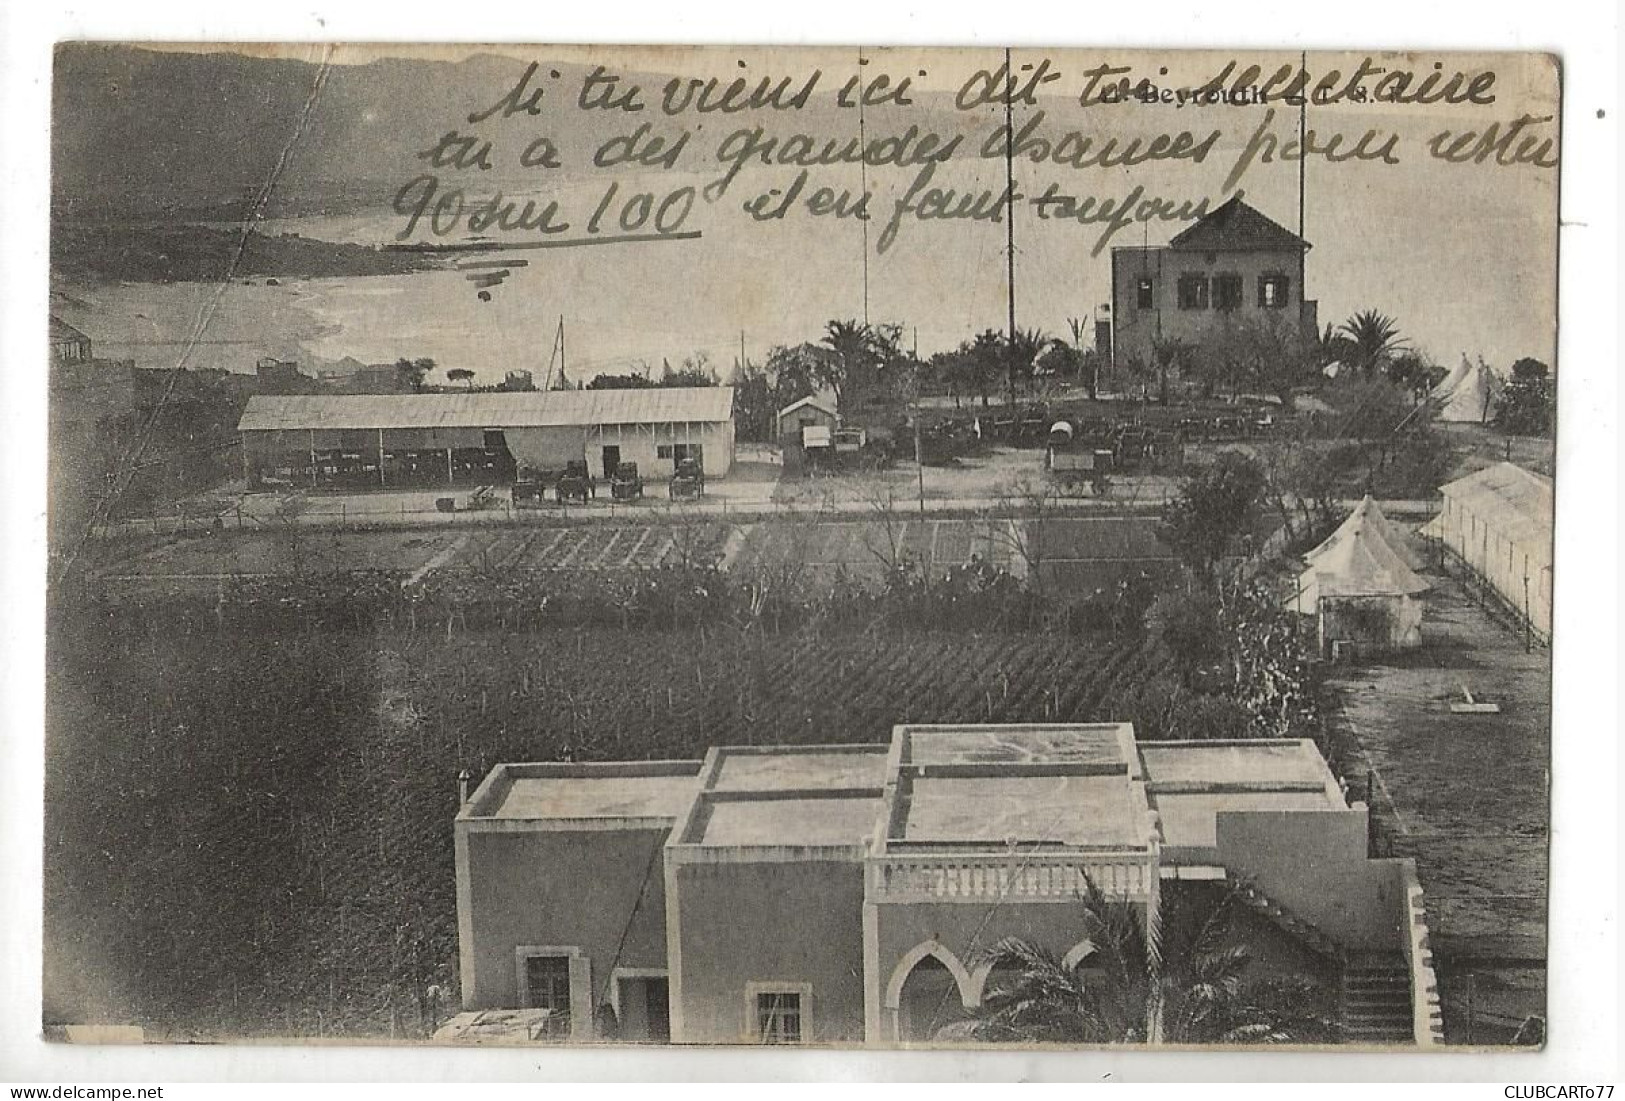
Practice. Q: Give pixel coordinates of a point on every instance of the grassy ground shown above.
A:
(1467, 796)
(252, 835)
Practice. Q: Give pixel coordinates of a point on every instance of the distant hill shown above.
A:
(140, 133)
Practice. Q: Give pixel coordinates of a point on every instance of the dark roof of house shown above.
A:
(1236, 227)
(61, 332)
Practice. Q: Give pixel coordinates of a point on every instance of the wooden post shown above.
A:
(449, 476)
(312, 457)
(380, 456)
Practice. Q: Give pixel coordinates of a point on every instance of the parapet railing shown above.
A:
(1016, 875)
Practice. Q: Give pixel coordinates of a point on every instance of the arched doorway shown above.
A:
(928, 990)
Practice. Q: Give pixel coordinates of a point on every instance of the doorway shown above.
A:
(612, 460)
(645, 1008)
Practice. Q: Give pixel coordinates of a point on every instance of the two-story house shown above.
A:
(1234, 263)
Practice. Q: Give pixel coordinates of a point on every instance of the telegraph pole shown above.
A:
(1010, 220)
(918, 450)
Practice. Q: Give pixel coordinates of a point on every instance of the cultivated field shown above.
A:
(1078, 554)
(252, 836)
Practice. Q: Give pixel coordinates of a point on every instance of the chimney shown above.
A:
(463, 778)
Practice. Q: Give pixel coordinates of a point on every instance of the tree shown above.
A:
(1169, 355)
(695, 371)
(461, 374)
(412, 372)
(1035, 998)
(1527, 403)
(620, 382)
(1214, 508)
(1414, 373)
(1369, 338)
(1260, 354)
(1088, 360)
(1185, 980)
(1023, 348)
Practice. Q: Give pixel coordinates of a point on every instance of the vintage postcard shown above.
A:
(855, 547)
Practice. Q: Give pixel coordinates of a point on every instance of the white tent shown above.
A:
(1441, 392)
(1369, 515)
(1359, 585)
(1472, 399)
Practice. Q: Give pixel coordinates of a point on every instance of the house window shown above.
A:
(663, 451)
(1272, 291)
(1193, 292)
(547, 983)
(1145, 293)
(779, 1013)
(1227, 292)
(778, 1018)
(558, 980)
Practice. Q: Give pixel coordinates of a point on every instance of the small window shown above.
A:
(547, 984)
(1145, 293)
(1193, 292)
(778, 1018)
(663, 451)
(1272, 291)
(1227, 291)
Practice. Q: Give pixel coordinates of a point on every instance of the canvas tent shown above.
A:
(1369, 514)
(1470, 398)
(1360, 586)
(1498, 523)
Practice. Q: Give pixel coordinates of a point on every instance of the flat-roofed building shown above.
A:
(849, 894)
(402, 440)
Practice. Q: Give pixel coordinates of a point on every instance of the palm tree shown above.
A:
(852, 344)
(1114, 1003)
(1369, 339)
(1130, 988)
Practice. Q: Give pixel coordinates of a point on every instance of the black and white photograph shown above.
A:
(845, 547)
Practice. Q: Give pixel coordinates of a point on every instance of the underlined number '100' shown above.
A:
(641, 212)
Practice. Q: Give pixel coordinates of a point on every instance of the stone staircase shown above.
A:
(1375, 994)
(1376, 1001)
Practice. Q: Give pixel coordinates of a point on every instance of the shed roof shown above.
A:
(811, 399)
(528, 409)
(1515, 501)
(1236, 227)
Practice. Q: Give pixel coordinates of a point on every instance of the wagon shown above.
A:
(626, 484)
(575, 484)
(687, 482)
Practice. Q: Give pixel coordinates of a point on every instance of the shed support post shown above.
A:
(313, 457)
(448, 466)
(380, 456)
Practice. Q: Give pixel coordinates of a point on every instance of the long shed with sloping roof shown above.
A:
(400, 440)
(1498, 523)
